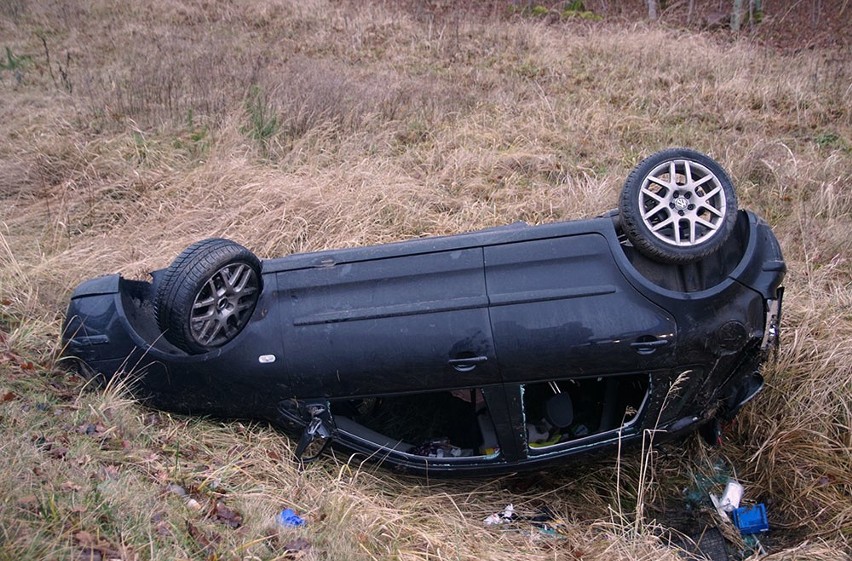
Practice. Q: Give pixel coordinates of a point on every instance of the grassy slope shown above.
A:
(298, 126)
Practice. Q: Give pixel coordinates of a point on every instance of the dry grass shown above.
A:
(300, 126)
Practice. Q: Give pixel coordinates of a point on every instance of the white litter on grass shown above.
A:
(731, 498)
(501, 517)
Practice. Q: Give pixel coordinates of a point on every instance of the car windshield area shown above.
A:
(567, 412)
(445, 424)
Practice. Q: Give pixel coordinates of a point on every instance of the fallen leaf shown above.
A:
(70, 486)
(87, 554)
(7, 396)
(57, 452)
(205, 541)
(147, 455)
(91, 547)
(228, 516)
(85, 538)
(91, 429)
(30, 502)
(109, 472)
(101, 553)
(161, 525)
(163, 528)
(161, 475)
(297, 547)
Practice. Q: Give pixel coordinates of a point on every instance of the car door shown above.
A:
(406, 323)
(560, 307)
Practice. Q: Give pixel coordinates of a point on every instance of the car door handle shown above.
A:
(466, 364)
(649, 345)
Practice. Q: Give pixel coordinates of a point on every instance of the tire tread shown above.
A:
(181, 281)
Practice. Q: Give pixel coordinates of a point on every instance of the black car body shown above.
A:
(485, 352)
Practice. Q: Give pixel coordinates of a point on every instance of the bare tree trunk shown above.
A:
(755, 12)
(737, 15)
(652, 9)
(689, 12)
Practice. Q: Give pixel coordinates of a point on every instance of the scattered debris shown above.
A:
(543, 524)
(751, 520)
(191, 503)
(747, 519)
(438, 448)
(731, 498)
(508, 515)
(288, 517)
(220, 512)
(728, 527)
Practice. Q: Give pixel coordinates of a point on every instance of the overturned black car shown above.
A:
(492, 351)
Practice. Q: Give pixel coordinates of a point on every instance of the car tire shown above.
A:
(207, 295)
(678, 206)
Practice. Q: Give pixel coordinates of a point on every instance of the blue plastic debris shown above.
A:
(751, 520)
(289, 518)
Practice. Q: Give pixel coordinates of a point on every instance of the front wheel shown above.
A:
(207, 295)
(678, 206)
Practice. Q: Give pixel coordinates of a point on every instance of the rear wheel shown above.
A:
(678, 206)
(207, 295)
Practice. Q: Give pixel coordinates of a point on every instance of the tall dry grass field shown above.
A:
(130, 130)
